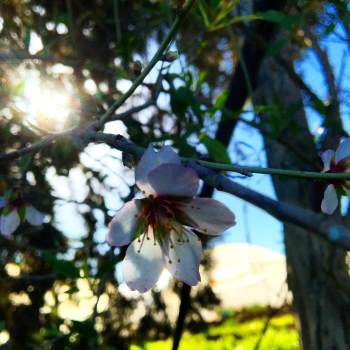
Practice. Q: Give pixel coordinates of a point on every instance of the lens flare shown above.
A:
(48, 105)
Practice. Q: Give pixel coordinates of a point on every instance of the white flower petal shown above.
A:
(343, 150)
(208, 215)
(167, 155)
(143, 263)
(3, 202)
(151, 160)
(147, 163)
(330, 200)
(174, 180)
(182, 261)
(123, 225)
(34, 216)
(9, 223)
(327, 157)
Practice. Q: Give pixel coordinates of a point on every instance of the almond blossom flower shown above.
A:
(10, 218)
(336, 162)
(160, 225)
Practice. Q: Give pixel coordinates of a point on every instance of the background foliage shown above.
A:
(96, 42)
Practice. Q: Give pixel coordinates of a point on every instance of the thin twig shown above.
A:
(157, 56)
(119, 141)
(107, 116)
(271, 314)
(48, 140)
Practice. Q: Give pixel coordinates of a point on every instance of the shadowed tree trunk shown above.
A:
(317, 272)
(253, 56)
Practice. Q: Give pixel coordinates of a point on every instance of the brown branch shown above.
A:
(81, 131)
(319, 224)
(24, 56)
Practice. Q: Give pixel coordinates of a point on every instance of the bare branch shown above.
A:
(81, 131)
(324, 226)
(321, 225)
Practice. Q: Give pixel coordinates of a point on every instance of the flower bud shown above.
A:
(136, 68)
(170, 56)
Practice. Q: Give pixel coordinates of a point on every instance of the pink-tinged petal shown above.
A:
(330, 200)
(123, 225)
(343, 150)
(207, 215)
(9, 223)
(146, 164)
(327, 157)
(151, 160)
(174, 180)
(143, 263)
(167, 155)
(33, 216)
(182, 261)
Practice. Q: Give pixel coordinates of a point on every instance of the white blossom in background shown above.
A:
(10, 218)
(34, 216)
(336, 162)
(160, 225)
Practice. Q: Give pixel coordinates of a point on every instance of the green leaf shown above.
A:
(279, 17)
(72, 290)
(221, 100)
(26, 38)
(202, 10)
(225, 11)
(330, 28)
(24, 162)
(180, 100)
(276, 47)
(7, 210)
(21, 212)
(201, 78)
(18, 89)
(185, 149)
(61, 267)
(216, 149)
(235, 20)
(272, 16)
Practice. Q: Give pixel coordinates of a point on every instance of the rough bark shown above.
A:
(253, 55)
(317, 272)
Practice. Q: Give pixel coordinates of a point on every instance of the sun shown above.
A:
(48, 105)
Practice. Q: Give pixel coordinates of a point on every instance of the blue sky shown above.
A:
(254, 225)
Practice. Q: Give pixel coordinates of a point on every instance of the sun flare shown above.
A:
(48, 105)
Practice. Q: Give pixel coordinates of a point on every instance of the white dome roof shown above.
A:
(245, 274)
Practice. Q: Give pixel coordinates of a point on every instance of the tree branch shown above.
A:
(241, 169)
(81, 130)
(157, 56)
(323, 226)
(107, 116)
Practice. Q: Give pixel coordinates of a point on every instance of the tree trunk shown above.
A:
(317, 272)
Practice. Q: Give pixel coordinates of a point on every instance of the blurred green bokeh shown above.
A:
(281, 334)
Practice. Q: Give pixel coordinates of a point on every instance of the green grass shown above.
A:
(232, 335)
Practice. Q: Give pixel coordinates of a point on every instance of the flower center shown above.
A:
(340, 167)
(161, 214)
(17, 202)
(157, 211)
